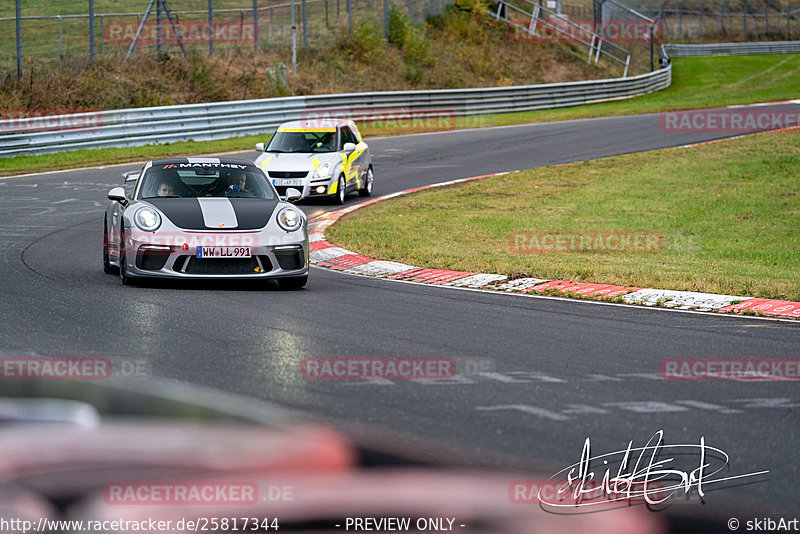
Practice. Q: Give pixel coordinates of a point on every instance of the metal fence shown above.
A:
(528, 18)
(699, 19)
(205, 122)
(240, 23)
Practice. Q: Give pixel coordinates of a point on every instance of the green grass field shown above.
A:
(728, 212)
(697, 83)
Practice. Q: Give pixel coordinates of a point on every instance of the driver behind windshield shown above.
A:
(165, 189)
(237, 181)
(327, 142)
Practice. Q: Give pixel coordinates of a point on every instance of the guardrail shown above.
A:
(731, 49)
(222, 120)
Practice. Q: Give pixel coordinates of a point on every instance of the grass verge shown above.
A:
(696, 83)
(728, 213)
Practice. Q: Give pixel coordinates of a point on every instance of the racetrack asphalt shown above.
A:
(559, 370)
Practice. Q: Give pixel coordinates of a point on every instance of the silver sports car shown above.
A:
(205, 218)
(322, 158)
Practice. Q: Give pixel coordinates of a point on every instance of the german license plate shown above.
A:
(286, 181)
(223, 252)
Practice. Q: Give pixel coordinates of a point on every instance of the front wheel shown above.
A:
(341, 191)
(368, 181)
(123, 262)
(295, 282)
(107, 267)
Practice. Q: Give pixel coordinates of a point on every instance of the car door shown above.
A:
(363, 159)
(355, 159)
(349, 161)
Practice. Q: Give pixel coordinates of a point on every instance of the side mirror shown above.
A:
(349, 148)
(293, 195)
(130, 176)
(260, 147)
(118, 195)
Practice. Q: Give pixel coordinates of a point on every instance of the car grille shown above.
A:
(194, 265)
(288, 174)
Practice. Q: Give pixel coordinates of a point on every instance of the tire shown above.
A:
(341, 192)
(123, 262)
(295, 282)
(366, 191)
(107, 267)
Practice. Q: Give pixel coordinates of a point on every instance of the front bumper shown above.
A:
(148, 256)
(308, 186)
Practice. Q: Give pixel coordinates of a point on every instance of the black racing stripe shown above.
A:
(253, 213)
(183, 212)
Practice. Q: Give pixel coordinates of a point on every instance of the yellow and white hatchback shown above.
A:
(320, 158)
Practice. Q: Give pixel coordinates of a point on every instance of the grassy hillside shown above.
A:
(460, 48)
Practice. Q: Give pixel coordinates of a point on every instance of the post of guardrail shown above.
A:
(18, 15)
(651, 30)
(210, 28)
(160, 29)
(745, 9)
(60, 40)
(627, 64)
(350, 18)
(92, 54)
(702, 12)
(294, 41)
(305, 24)
(788, 31)
(255, 24)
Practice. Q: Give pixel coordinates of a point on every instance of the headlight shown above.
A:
(322, 171)
(147, 219)
(290, 219)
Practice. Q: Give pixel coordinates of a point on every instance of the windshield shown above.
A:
(324, 141)
(236, 181)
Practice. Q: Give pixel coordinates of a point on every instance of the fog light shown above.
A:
(321, 189)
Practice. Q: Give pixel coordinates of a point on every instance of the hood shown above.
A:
(216, 213)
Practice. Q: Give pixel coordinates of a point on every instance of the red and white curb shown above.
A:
(325, 254)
